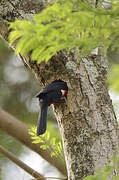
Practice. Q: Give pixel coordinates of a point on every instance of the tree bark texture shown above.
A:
(87, 121)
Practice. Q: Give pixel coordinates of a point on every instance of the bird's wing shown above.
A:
(54, 86)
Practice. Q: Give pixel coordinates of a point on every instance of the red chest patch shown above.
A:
(65, 92)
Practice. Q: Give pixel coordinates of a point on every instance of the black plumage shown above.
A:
(52, 93)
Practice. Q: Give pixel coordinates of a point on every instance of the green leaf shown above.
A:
(53, 141)
(47, 143)
(65, 25)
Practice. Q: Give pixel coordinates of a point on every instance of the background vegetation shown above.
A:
(98, 27)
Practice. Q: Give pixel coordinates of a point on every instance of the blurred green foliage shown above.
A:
(113, 78)
(0, 174)
(10, 98)
(10, 144)
(110, 170)
(4, 49)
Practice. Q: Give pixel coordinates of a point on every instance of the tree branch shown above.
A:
(19, 163)
(19, 131)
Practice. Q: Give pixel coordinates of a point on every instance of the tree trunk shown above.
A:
(87, 121)
(88, 124)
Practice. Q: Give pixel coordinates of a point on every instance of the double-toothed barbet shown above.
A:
(52, 93)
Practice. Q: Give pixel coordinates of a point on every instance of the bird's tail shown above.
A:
(42, 119)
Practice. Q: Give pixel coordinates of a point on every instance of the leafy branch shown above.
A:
(64, 25)
(48, 143)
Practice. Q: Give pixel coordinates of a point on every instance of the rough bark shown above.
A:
(88, 125)
(87, 121)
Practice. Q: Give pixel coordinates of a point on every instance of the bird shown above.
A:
(51, 94)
